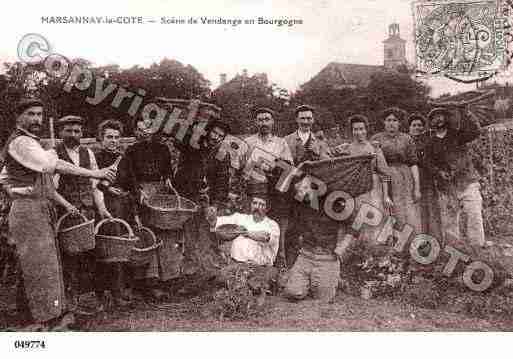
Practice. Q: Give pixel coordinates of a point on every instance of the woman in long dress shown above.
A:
(401, 156)
(378, 197)
(429, 208)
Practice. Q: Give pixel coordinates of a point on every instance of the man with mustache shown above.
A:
(304, 146)
(456, 178)
(256, 246)
(265, 149)
(303, 143)
(199, 171)
(26, 177)
(204, 179)
(84, 195)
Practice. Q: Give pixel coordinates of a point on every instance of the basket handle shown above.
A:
(156, 243)
(59, 222)
(114, 220)
(178, 198)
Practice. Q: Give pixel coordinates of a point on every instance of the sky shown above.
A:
(348, 31)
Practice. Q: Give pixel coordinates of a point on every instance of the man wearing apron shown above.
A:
(26, 178)
(80, 269)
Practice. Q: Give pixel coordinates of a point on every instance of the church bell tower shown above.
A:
(394, 47)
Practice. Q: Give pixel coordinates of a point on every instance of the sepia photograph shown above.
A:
(255, 166)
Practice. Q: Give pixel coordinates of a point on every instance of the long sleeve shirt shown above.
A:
(199, 167)
(450, 153)
(147, 162)
(247, 250)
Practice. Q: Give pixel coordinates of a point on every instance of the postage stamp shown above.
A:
(460, 38)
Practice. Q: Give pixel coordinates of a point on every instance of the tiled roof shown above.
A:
(340, 74)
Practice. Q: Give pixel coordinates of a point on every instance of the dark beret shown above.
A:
(303, 108)
(264, 110)
(70, 120)
(26, 103)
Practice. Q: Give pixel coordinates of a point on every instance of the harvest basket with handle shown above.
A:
(477, 102)
(77, 238)
(168, 211)
(145, 247)
(114, 248)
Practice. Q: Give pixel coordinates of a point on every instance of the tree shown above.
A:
(243, 94)
(385, 89)
(169, 78)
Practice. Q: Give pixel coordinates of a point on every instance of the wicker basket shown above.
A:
(145, 247)
(114, 248)
(190, 109)
(77, 238)
(168, 211)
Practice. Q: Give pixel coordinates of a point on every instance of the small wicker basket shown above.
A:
(114, 248)
(145, 247)
(168, 211)
(77, 238)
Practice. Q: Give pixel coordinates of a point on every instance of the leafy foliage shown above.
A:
(168, 78)
(385, 89)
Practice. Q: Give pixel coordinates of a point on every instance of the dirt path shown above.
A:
(347, 314)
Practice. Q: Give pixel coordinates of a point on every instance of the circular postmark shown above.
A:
(461, 41)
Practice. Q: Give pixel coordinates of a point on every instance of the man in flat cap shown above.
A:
(265, 149)
(87, 199)
(304, 146)
(454, 173)
(27, 179)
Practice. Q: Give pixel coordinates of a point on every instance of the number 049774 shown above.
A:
(29, 344)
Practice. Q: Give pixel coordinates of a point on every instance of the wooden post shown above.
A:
(490, 149)
(52, 132)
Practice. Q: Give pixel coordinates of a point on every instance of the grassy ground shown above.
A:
(427, 305)
(348, 313)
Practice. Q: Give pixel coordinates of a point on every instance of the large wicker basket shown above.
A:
(114, 248)
(168, 211)
(77, 238)
(145, 247)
